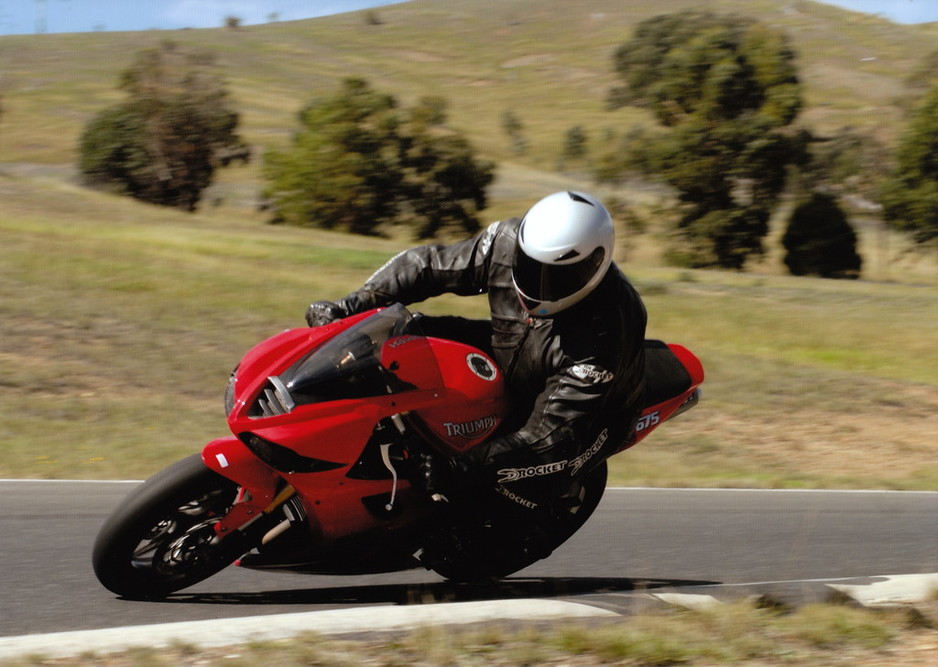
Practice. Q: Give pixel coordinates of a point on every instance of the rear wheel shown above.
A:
(486, 550)
(162, 538)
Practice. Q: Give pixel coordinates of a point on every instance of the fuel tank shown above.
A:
(472, 398)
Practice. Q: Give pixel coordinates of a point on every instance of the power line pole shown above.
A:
(41, 17)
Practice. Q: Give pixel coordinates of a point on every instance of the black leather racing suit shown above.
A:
(575, 379)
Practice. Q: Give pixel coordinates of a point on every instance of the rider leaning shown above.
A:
(567, 328)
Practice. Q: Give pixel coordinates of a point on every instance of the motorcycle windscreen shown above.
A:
(349, 365)
(411, 363)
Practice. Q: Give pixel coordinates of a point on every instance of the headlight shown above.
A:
(283, 458)
(230, 391)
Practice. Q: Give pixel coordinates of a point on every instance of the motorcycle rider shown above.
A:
(567, 329)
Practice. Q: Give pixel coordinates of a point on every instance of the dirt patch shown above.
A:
(897, 441)
(529, 60)
(911, 649)
(413, 56)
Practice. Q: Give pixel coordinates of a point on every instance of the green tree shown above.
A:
(847, 161)
(574, 144)
(444, 185)
(360, 163)
(910, 194)
(514, 128)
(340, 172)
(819, 240)
(724, 87)
(163, 144)
(921, 80)
(627, 219)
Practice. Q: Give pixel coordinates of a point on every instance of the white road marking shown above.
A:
(232, 631)
(608, 489)
(892, 590)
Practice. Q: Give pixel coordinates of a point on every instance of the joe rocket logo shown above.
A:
(591, 374)
(481, 366)
(584, 458)
(514, 474)
(474, 428)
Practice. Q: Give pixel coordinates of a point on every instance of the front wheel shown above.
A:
(162, 538)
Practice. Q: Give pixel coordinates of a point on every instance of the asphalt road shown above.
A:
(637, 538)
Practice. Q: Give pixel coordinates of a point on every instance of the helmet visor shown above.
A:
(551, 282)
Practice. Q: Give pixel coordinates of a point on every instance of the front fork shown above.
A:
(253, 517)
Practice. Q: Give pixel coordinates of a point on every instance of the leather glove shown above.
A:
(324, 312)
(446, 479)
(429, 473)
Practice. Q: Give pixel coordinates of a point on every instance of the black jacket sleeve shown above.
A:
(425, 271)
(591, 362)
(565, 414)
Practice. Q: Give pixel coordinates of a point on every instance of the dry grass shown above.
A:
(119, 322)
(737, 633)
(548, 62)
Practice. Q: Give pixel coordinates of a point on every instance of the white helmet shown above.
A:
(565, 245)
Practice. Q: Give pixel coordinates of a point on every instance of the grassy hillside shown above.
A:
(119, 322)
(547, 60)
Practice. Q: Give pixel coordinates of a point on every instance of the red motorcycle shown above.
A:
(320, 476)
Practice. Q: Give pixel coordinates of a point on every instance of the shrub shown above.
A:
(164, 143)
(820, 241)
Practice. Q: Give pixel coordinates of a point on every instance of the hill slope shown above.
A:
(549, 61)
(119, 322)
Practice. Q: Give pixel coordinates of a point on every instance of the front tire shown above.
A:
(162, 538)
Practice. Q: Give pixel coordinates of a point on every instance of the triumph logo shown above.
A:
(471, 429)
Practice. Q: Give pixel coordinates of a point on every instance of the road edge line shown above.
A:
(233, 631)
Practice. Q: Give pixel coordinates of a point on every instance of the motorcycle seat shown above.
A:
(665, 375)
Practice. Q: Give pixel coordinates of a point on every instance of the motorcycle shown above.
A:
(320, 474)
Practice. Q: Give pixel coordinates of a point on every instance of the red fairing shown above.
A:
(474, 400)
(324, 470)
(653, 415)
(690, 362)
(271, 356)
(451, 393)
(230, 458)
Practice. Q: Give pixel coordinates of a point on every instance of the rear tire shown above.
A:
(162, 539)
(477, 552)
